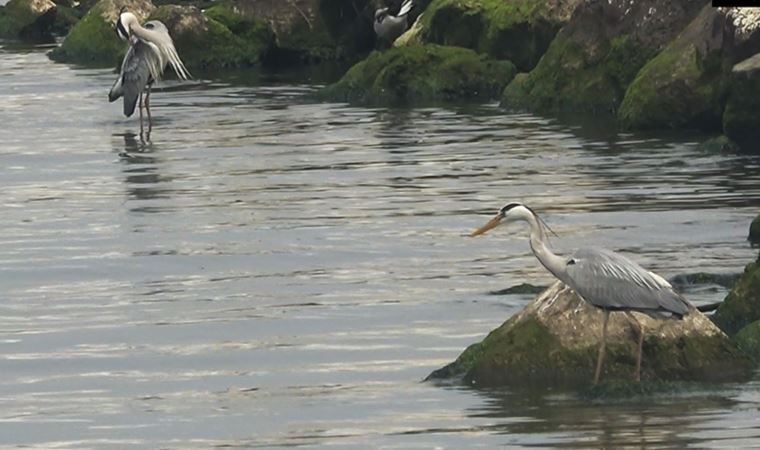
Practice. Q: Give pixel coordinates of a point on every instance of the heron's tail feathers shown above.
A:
(116, 91)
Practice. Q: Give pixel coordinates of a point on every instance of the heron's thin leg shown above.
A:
(640, 330)
(147, 108)
(140, 106)
(602, 345)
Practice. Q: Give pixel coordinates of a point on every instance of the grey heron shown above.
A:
(390, 24)
(601, 277)
(151, 49)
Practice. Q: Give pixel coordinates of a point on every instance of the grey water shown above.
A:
(275, 271)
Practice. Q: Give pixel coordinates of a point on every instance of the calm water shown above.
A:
(271, 271)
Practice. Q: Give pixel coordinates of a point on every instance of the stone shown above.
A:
(421, 73)
(595, 56)
(741, 115)
(216, 38)
(93, 39)
(754, 232)
(742, 305)
(27, 19)
(515, 30)
(554, 341)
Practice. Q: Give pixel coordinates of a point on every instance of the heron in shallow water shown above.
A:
(603, 278)
(392, 21)
(151, 49)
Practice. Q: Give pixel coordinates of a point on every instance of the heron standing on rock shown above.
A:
(603, 278)
(151, 49)
(392, 21)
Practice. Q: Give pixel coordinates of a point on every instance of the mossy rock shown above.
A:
(742, 305)
(216, 38)
(517, 30)
(592, 60)
(310, 31)
(27, 19)
(754, 231)
(684, 85)
(742, 113)
(423, 73)
(554, 341)
(748, 339)
(719, 144)
(93, 40)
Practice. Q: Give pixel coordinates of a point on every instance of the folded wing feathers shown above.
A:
(405, 8)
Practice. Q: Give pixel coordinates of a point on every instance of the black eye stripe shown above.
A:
(121, 31)
(506, 208)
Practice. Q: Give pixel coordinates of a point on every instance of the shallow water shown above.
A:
(271, 271)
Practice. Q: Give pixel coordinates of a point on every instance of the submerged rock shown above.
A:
(742, 305)
(554, 340)
(421, 73)
(93, 39)
(593, 58)
(27, 19)
(517, 30)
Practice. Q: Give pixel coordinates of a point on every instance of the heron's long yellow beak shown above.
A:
(493, 223)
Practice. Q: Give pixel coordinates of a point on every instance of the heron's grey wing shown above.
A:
(135, 74)
(610, 280)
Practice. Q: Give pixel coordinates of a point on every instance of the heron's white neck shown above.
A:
(538, 243)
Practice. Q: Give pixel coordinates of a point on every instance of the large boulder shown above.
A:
(593, 58)
(216, 38)
(27, 19)
(686, 84)
(742, 305)
(742, 112)
(554, 340)
(517, 30)
(308, 31)
(421, 73)
(93, 39)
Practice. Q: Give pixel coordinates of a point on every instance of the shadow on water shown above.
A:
(140, 165)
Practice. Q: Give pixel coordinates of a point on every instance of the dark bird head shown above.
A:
(511, 212)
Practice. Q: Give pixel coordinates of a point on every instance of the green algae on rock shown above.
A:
(684, 84)
(553, 341)
(94, 40)
(742, 305)
(593, 58)
(748, 339)
(742, 113)
(517, 30)
(216, 38)
(421, 73)
(27, 19)
(754, 231)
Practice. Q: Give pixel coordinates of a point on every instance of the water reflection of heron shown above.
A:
(605, 279)
(151, 49)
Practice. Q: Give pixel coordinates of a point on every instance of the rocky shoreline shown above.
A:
(650, 65)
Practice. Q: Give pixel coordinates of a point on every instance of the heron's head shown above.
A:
(124, 23)
(381, 14)
(508, 213)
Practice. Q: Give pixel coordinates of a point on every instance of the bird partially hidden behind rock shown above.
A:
(151, 49)
(393, 20)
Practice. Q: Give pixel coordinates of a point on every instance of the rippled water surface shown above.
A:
(274, 271)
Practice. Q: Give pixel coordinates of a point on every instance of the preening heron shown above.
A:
(603, 278)
(151, 49)
(392, 21)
